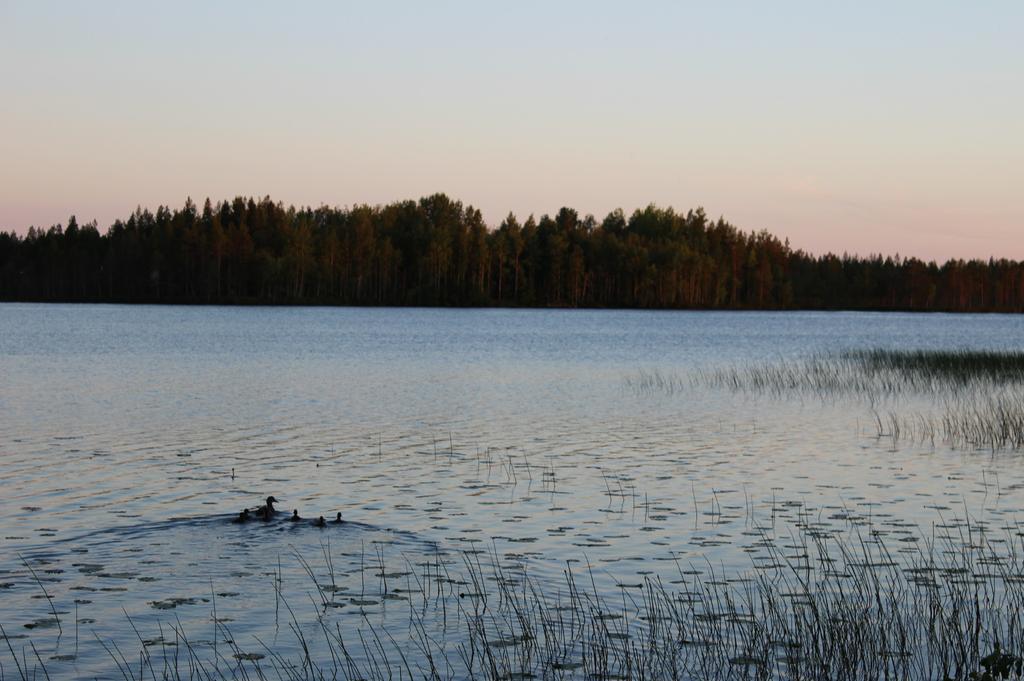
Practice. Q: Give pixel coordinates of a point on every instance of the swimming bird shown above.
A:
(337, 518)
(243, 517)
(295, 516)
(320, 522)
(266, 512)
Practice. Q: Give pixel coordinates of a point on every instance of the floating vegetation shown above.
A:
(43, 623)
(172, 603)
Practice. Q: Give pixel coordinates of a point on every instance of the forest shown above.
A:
(439, 252)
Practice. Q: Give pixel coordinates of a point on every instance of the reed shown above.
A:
(973, 399)
(822, 603)
(872, 372)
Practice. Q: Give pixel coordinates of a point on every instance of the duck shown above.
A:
(295, 516)
(243, 517)
(337, 518)
(320, 522)
(266, 512)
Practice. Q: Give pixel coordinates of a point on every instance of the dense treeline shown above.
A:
(439, 252)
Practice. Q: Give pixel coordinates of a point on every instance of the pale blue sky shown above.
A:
(864, 127)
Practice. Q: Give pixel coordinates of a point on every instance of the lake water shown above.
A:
(129, 436)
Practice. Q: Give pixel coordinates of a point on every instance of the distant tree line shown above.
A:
(437, 251)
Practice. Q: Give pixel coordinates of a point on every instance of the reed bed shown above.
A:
(821, 603)
(989, 423)
(876, 373)
(974, 399)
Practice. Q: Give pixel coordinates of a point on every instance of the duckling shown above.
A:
(337, 518)
(243, 517)
(295, 516)
(320, 522)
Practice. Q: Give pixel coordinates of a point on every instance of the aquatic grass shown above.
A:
(974, 399)
(990, 423)
(1000, 367)
(875, 372)
(823, 602)
(995, 423)
(646, 381)
(46, 594)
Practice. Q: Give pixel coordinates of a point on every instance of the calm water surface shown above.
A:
(130, 435)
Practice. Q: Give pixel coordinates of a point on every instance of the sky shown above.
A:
(869, 127)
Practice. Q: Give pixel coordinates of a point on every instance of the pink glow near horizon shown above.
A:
(844, 130)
